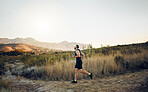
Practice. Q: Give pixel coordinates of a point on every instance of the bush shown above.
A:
(2, 68)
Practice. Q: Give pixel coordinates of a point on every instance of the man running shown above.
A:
(78, 66)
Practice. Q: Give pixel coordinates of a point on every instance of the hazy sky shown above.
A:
(107, 22)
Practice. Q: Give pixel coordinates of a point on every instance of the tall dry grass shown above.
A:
(63, 70)
(99, 65)
(5, 87)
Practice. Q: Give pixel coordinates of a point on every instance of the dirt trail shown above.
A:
(130, 82)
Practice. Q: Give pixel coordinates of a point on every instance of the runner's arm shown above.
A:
(78, 54)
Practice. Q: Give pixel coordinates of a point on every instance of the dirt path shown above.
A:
(132, 82)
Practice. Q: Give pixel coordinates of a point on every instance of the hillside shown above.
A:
(30, 41)
(22, 47)
(130, 82)
(122, 68)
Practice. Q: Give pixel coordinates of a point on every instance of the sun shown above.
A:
(41, 24)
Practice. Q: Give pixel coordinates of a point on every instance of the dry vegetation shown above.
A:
(57, 68)
(105, 61)
(100, 66)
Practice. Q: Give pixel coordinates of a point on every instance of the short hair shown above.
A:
(77, 46)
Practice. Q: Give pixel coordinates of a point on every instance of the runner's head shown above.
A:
(76, 47)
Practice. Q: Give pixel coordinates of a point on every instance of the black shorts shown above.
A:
(78, 63)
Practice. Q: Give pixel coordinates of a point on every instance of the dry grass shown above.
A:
(60, 70)
(4, 86)
(99, 65)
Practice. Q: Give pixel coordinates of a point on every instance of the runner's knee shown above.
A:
(76, 70)
(80, 70)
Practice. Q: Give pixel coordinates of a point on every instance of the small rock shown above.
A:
(70, 90)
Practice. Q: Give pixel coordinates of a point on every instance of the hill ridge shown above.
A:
(64, 45)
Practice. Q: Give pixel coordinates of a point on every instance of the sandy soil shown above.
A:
(130, 82)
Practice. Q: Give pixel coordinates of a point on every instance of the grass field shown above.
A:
(104, 61)
(100, 66)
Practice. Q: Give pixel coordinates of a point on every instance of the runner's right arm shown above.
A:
(78, 53)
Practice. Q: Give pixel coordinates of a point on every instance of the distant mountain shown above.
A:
(30, 41)
(21, 47)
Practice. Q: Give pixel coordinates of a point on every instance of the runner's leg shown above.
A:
(83, 71)
(76, 73)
